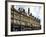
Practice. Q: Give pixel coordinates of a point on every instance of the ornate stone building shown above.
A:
(20, 21)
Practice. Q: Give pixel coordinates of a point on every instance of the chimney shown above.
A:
(28, 11)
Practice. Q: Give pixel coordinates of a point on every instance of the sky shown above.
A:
(35, 10)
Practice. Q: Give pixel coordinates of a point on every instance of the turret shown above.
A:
(12, 8)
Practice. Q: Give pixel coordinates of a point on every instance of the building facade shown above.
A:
(20, 21)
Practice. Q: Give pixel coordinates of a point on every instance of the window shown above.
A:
(15, 21)
(18, 22)
(22, 23)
